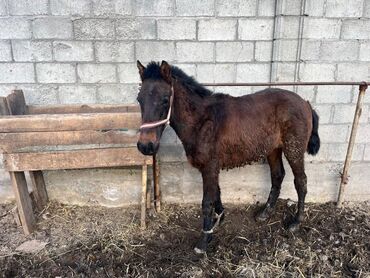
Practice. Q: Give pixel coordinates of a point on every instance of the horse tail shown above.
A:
(314, 142)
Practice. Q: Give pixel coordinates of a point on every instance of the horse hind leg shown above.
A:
(295, 157)
(277, 176)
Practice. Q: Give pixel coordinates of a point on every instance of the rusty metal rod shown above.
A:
(347, 162)
(284, 83)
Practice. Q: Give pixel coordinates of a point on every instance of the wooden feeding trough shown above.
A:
(36, 138)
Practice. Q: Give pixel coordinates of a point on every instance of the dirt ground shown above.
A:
(107, 242)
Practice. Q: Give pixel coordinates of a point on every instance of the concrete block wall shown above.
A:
(84, 51)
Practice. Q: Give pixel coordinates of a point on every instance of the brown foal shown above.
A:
(219, 131)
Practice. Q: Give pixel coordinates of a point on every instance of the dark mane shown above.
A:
(152, 71)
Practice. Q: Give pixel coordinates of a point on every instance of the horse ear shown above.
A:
(141, 69)
(166, 71)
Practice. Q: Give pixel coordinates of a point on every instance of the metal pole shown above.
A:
(347, 162)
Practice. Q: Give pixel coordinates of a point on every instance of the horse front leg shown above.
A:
(211, 202)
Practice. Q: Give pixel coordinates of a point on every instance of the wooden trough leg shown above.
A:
(39, 189)
(23, 201)
(157, 191)
(149, 196)
(144, 180)
(347, 163)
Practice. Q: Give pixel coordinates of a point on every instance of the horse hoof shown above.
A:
(199, 251)
(294, 227)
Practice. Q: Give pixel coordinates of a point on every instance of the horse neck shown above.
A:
(188, 109)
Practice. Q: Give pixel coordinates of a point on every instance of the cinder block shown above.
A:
(155, 51)
(15, 28)
(73, 51)
(195, 52)
(28, 7)
(234, 51)
(236, 7)
(306, 92)
(195, 7)
(3, 8)
(310, 50)
(321, 28)
(344, 8)
(353, 72)
(5, 51)
(128, 73)
(52, 28)
(291, 7)
(357, 29)
(367, 9)
(217, 29)
(289, 27)
(40, 94)
(252, 72)
(17, 73)
(111, 8)
(135, 29)
(256, 29)
(266, 7)
(77, 94)
(234, 91)
(113, 51)
(154, 8)
(334, 94)
(70, 7)
(337, 152)
(365, 51)
(176, 29)
(117, 93)
(284, 71)
(287, 50)
(315, 7)
(324, 112)
(345, 114)
(210, 73)
(367, 153)
(96, 73)
(363, 134)
(339, 50)
(263, 51)
(334, 133)
(55, 73)
(189, 69)
(25, 51)
(98, 29)
(317, 72)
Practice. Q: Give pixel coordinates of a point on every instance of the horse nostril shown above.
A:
(150, 147)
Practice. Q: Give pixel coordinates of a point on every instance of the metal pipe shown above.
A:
(283, 83)
(347, 162)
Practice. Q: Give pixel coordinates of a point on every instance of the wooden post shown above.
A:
(23, 201)
(347, 163)
(144, 180)
(39, 189)
(157, 191)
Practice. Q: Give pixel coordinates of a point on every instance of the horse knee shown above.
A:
(278, 176)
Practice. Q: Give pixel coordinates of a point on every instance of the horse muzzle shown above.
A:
(148, 148)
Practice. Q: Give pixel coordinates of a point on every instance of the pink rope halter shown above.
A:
(165, 121)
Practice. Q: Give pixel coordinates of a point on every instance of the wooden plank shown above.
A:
(76, 159)
(17, 103)
(10, 142)
(23, 201)
(157, 189)
(144, 180)
(83, 108)
(4, 109)
(71, 122)
(39, 189)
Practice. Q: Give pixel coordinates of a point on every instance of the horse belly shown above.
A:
(237, 154)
